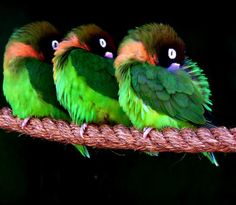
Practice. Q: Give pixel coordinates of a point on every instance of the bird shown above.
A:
(28, 84)
(85, 77)
(159, 86)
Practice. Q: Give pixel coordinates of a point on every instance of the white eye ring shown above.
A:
(102, 42)
(172, 53)
(55, 44)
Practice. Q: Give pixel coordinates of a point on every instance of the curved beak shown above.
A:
(108, 55)
(173, 67)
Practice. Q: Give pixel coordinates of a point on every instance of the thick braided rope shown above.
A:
(218, 139)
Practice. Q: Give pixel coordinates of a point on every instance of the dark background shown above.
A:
(41, 172)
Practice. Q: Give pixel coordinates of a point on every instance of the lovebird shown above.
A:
(85, 77)
(28, 73)
(158, 85)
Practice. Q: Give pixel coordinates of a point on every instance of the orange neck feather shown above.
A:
(72, 41)
(136, 51)
(18, 49)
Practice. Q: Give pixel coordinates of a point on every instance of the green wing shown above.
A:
(98, 72)
(41, 78)
(171, 93)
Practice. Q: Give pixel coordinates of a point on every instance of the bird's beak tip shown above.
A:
(108, 55)
(173, 67)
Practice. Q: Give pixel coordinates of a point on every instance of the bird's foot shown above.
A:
(24, 123)
(146, 131)
(82, 129)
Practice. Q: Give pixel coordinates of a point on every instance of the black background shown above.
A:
(41, 172)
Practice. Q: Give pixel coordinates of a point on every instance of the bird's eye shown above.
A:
(171, 53)
(102, 42)
(55, 44)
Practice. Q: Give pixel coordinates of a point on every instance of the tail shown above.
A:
(211, 157)
(83, 150)
(153, 154)
(210, 124)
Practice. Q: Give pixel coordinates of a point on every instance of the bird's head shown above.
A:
(157, 44)
(38, 40)
(91, 38)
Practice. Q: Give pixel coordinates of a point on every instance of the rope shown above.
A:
(218, 139)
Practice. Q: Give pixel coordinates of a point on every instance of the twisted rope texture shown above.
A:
(218, 139)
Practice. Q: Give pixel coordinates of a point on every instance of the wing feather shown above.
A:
(171, 93)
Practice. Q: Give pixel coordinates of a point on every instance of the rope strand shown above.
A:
(218, 139)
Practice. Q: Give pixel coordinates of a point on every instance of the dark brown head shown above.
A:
(155, 43)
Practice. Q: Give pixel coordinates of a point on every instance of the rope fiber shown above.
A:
(218, 139)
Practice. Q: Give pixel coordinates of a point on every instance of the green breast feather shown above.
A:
(29, 89)
(87, 88)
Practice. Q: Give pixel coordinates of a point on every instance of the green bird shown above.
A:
(28, 73)
(158, 86)
(85, 77)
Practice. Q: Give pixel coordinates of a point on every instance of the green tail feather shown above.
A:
(83, 150)
(211, 157)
